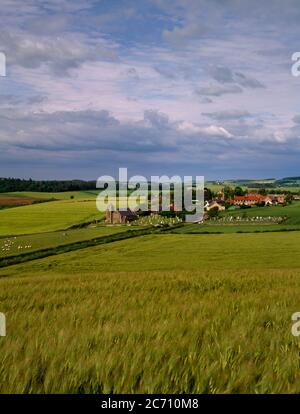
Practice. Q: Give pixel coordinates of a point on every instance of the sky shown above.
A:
(173, 87)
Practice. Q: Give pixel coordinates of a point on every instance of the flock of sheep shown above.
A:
(9, 244)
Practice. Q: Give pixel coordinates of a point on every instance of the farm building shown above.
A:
(120, 216)
(249, 200)
(253, 199)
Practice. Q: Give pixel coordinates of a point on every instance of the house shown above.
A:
(268, 200)
(120, 216)
(253, 198)
(249, 200)
(279, 198)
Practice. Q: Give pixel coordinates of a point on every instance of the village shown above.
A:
(214, 204)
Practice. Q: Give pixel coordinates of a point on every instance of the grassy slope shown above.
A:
(292, 211)
(179, 252)
(53, 239)
(54, 215)
(171, 313)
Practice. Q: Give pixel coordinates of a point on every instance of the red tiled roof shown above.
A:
(249, 198)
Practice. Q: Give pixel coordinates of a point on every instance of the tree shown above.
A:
(262, 191)
(213, 212)
(228, 192)
(289, 198)
(238, 191)
(208, 194)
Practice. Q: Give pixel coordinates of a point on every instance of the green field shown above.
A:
(10, 246)
(234, 228)
(161, 313)
(292, 211)
(64, 195)
(165, 313)
(44, 217)
(179, 252)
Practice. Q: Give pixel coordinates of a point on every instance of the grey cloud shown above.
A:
(165, 72)
(155, 118)
(59, 53)
(220, 73)
(296, 119)
(180, 35)
(218, 90)
(247, 81)
(94, 137)
(83, 131)
(206, 100)
(14, 100)
(132, 74)
(223, 75)
(228, 115)
(48, 25)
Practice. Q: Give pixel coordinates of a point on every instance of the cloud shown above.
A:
(132, 74)
(296, 119)
(165, 72)
(247, 81)
(180, 35)
(211, 130)
(220, 73)
(102, 83)
(153, 143)
(223, 75)
(218, 90)
(59, 53)
(225, 115)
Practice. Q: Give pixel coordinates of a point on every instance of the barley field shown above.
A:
(159, 313)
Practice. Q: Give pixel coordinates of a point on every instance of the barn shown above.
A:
(120, 216)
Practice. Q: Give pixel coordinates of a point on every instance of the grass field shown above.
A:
(234, 228)
(292, 211)
(10, 246)
(178, 252)
(64, 195)
(165, 313)
(50, 216)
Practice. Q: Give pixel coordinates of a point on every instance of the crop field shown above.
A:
(15, 201)
(180, 252)
(163, 313)
(44, 217)
(160, 313)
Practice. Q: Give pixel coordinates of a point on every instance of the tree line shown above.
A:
(18, 184)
